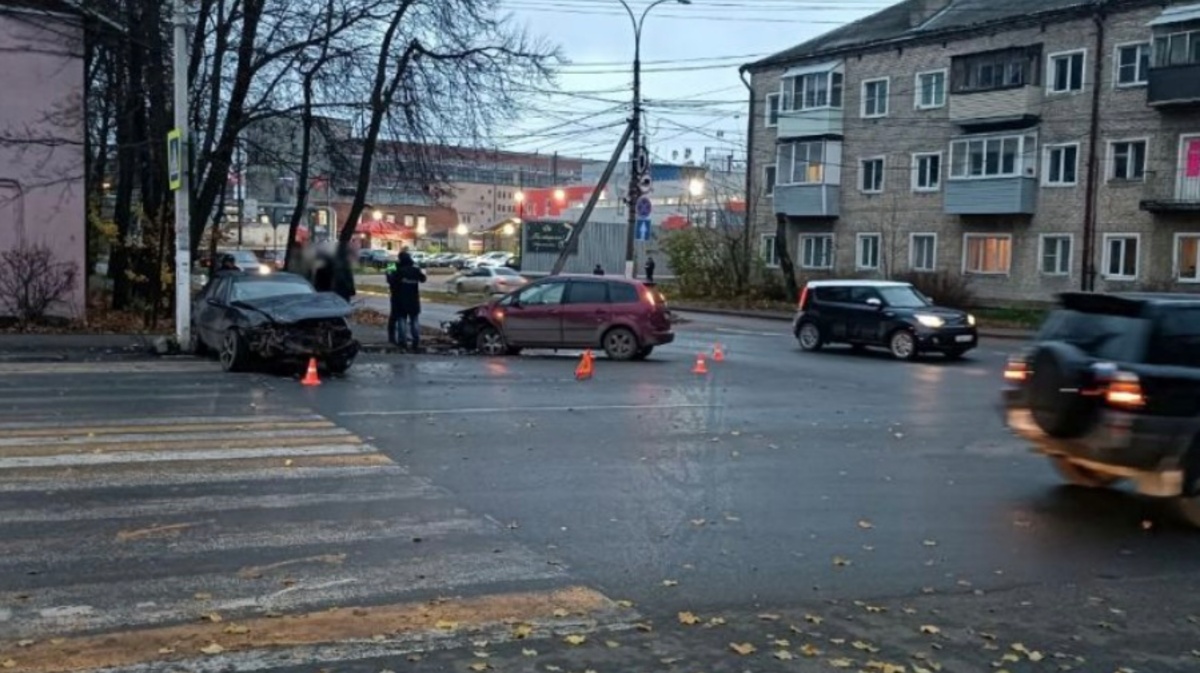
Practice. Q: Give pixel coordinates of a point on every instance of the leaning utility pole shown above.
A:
(183, 244)
(572, 241)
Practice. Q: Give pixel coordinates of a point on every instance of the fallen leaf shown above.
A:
(25, 643)
(864, 647)
(1035, 656)
(698, 522)
(688, 619)
(841, 562)
(625, 604)
(575, 639)
(884, 667)
(528, 652)
(643, 627)
(559, 612)
(166, 650)
(379, 637)
(841, 663)
(930, 630)
(211, 649)
(768, 617)
(813, 619)
(611, 644)
(716, 621)
(670, 583)
(212, 617)
(237, 629)
(1019, 647)
(413, 658)
(480, 655)
(865, 525)
(909, 611)
(8, 663)
(809, 650)
(781, 642)
(669, 661)
(522, 631)
(783, 655)
(743, 648)
(203, 596)
(875, 609)
(288, 463)
(1010, 657)
(553, 669)
(57, 641)
(930, 543)
(446, 625)
(479, 666)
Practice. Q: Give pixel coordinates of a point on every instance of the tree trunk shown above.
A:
(786, 266)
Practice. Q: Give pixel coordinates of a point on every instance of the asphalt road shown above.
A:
(831, 511)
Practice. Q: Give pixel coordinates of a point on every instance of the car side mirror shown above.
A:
(875, 303)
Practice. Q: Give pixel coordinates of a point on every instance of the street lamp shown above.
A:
(696, 188)
(461, 230)
(509, 229)
(637, 122)
(519, 197)
(560, 195)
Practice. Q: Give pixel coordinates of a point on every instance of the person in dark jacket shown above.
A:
(650, 265)
(404, 285)
(598, 271)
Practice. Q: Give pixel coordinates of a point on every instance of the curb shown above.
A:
(985, 332)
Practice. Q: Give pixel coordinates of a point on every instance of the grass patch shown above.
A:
(1010, 318)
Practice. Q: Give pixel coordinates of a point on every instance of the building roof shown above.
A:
(911, 19)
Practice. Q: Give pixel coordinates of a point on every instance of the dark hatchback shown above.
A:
(880, 313)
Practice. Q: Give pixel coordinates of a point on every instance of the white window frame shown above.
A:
(1070, 239)
(918, 90)
(966, 249)
(1023, 161)
(887, 107)
(1175, 258)
(1110, 160)
(804, 262)
(912, 251)
(1117, 84)
(1106, 259)
(916, 171)
(792, 161)
(787, 103)
(1050, 67)
(858, 251)
(762, 241)
(778, 96)
(770, 185)
(1046, 165)
(862, 174)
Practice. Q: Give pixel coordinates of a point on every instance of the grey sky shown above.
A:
(690, 56)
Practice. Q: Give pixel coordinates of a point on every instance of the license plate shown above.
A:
(964, 338)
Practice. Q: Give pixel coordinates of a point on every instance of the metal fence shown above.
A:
(601, 243)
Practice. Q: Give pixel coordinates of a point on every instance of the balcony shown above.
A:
(999, 106)
(992, 196)
(1174, 85)
(1171, 192)
(818, 122)
(812, 200)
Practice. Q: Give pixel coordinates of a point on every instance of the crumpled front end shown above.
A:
(320, 339)
(464, 330)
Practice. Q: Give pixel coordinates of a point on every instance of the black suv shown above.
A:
(1110, 390)
(880, 313)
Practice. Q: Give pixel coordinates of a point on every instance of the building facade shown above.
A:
(1030, 147)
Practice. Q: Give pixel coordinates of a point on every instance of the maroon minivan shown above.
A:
(624, 317)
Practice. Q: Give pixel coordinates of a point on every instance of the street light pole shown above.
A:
(183, 234)
(636, 123)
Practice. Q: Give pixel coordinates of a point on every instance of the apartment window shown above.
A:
(1182, 48)
(769, 174)
(994, 70)
(1133, 64)
(1187, 257)
(931, 89)
(922, 252)
(813, 91)
(1062, 165)
(1127, 160)
(927, 172)
(1066, 71)
(868, 251)
(1120, 256)
(875, 98)
(801, 163)
(871, 175)
(773, 109)
(768, 251)
(986, 254)
(408, 221)
(1056, 255)
(816, 252)
(390, 218)
(421, 221)
(993, 157)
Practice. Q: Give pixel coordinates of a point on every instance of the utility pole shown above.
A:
(183, 234)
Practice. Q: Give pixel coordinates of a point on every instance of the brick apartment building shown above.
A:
(1033, 146)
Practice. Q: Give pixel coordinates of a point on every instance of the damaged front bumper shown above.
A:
(323, 341)
(464, 330)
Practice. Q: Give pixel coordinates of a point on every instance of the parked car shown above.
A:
(880, 313)
(494, 259)
(1109, 390)
(278, 318)
(461, 262)
(376, 257)
(623, 317)
(245, 260)
(274, 259)
(489, 279)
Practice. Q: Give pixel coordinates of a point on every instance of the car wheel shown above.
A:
(490, 342)
(809, 336)
(1077, 475)
(339, 365)
(620, 344)
(903, 345)
(643, 353)
(234, 357)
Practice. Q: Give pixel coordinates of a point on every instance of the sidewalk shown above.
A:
(55, 347)
(984, 330)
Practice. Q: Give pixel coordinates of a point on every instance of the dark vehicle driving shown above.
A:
(249, 318)
(880, 313)
(623, 317)
(1110, 390)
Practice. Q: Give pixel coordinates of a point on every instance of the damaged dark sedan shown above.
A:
(279, 318)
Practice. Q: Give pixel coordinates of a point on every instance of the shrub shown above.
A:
(943, 287)
(32, 282)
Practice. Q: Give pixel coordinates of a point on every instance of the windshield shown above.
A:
(902, 297)
(265, 289)
(244, 257)
(1177, 341)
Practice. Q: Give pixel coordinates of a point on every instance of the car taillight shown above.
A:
(1125, 391)
(803, 298)
(648, 295)
(1016, 370)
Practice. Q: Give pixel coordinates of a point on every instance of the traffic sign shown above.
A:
(644, 207)
(175, 159)
(641, 230)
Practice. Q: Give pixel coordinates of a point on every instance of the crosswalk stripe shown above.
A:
(63, 432)
(182, 440)
(115, 367)
(156, 422)
(158, 456)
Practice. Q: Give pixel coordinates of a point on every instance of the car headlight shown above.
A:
(970, 320)
(264, 269)
(930, 320)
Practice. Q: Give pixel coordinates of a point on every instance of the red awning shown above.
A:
(674, 223)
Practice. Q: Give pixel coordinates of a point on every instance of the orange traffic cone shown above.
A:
(718, 353)
(311, 378)
(585, 368)
(701, 366)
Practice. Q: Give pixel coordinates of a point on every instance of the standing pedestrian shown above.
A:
(650, 265)
(598, 271)
(404, 285)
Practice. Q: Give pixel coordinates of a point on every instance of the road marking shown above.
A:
(150, 367)
(76, 459)
(523, 410)
(730, 330)
(179, 439)
(164, 423)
